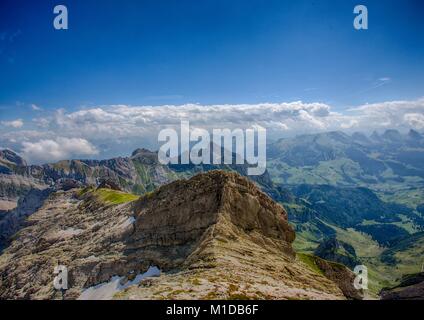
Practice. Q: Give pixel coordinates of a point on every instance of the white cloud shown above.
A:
(416, 120)
(18, 123)
(117, 129)
(125, 121)
(391, 114)
(47, 150)
(35, 107)
(349, 124)
(41, 122)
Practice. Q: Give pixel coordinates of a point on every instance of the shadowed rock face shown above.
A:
(339, 274)
(13, 182)
(213, 236)
(11, 221)
(410, 288)
(8, 157)
(109, 184)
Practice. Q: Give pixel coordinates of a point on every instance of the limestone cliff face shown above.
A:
(11, 221)
(213, 236)
(182, 217)
(14, 182)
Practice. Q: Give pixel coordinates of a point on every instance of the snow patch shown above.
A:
(106, 290)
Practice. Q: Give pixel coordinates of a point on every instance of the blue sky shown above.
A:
(161, 52)
(153, 53)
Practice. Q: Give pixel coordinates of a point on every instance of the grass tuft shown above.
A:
(114, 197)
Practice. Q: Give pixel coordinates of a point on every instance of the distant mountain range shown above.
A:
(339, 159)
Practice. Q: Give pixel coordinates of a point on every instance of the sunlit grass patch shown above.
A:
(114, 197)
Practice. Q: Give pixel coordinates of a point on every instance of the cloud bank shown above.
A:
(18, 123)
(58, 149)
(116, 130)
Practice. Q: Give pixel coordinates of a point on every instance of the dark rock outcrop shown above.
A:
(342, 276)
(109, 184)
(411, 287)
(337, 251)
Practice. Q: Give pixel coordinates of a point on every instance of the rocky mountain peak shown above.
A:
(360, 137)
(392, 135)
(226, 203)
(145, 156)
(414, 135)
(375, 136)
(11, 157)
